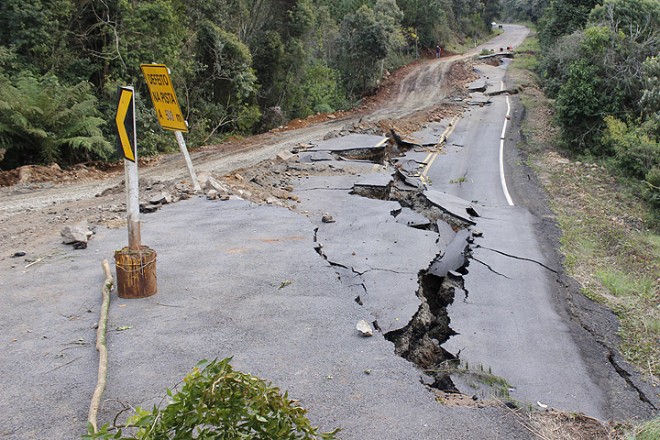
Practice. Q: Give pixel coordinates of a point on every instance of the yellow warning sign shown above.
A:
(163, 96)
(125, 123)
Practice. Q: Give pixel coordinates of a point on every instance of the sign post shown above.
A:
(126, 131)
(167, 109)
(136, 264)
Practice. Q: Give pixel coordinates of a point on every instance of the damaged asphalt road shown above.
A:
(515, 319)
(464, 291)
(234, 279)
(456, 284)
(492, 296)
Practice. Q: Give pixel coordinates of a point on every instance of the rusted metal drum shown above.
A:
(136, 272)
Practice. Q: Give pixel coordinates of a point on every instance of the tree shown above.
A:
(563, 17)
(142, 41)
(523, 9)
(43, 121)
(390, 16)
(491, 11)
(599, 71)
(363, 43)
(639, 20)
(429, 19)
(586, 93)
(225, 84)
(341, 8)
(37, 31)
(580, 107)
(650, 101)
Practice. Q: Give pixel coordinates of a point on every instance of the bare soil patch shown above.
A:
(39, 173)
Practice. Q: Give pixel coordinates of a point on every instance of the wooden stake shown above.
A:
(101, 347)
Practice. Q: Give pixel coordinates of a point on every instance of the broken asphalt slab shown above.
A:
(509, 324)
(408, 217)
(432, 134)
(454, 257)
(219, 294)
(353, 141)
(366, 239)
(375, 180)
(478, 85)
(315, 156)
(453, 205)
(375, 185)
(512, 323)
(478, 98)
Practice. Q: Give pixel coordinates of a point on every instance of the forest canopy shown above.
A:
(600, 63)
(239, 66)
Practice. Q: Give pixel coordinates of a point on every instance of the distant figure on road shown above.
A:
(438, 51)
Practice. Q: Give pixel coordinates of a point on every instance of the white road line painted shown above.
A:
(502, 179)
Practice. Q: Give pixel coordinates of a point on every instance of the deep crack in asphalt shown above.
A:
(420, 341)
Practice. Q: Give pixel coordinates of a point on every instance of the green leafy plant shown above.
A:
(218, 402)
(43, 121)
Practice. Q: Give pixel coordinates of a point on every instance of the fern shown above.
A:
(43, 121)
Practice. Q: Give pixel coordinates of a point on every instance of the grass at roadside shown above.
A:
(608, 246)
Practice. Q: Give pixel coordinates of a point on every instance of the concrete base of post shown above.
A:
(136, 272)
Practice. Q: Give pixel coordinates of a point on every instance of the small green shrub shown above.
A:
(636, 151)
(218, 402)
(636, 154)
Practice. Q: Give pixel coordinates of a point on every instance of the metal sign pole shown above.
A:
(132, 194)
(186, 156)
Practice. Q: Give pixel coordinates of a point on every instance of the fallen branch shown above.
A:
(101, 347)
(39, 260)
(34, 262)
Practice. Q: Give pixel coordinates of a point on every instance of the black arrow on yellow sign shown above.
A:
(125, 121)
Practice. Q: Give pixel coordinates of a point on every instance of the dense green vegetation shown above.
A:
(218, 402)
(599, 63)
(239, 66)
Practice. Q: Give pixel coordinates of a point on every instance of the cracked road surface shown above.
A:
(509, 322)
(512, 320)
(438, 272)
